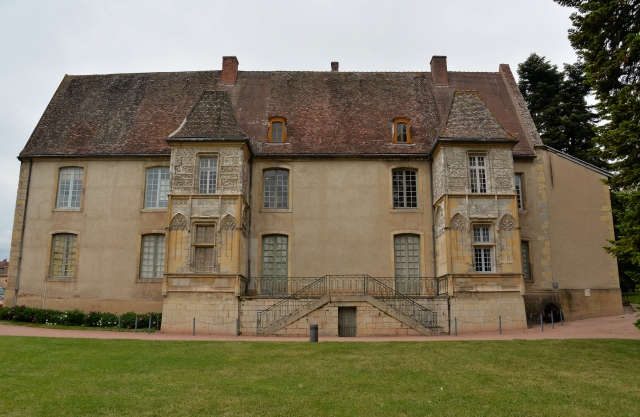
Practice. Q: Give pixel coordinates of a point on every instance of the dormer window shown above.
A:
(277, 130)
(400, 130)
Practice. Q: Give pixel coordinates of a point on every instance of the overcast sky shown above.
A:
(41, 41)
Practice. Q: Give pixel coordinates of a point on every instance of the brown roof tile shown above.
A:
(336, 113)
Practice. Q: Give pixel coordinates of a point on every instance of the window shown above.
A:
(152, 256)
(204, 248)
(70, 188)
(157, 188)
(208, 174)
(405, 188)
(400, 131)
(274, 256)
(277, 130)
(63, 255)
(275, 188)
(478, 174)
(518, 181)
(482, 248)
(526, 260)
(407, 256)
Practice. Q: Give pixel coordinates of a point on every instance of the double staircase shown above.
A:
(351, 288)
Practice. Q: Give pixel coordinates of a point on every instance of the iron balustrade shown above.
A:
(278, 287)
(392, 291)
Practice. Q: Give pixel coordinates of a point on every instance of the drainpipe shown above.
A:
(24, 222)
(433, 223)
(246, 289)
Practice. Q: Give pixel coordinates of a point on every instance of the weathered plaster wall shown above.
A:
(109, 225)
(341, 218)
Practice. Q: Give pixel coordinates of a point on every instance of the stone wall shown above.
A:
(478, 312)
(215, 313)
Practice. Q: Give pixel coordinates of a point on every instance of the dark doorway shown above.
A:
(347, 322)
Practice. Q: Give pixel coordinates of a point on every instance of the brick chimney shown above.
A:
(334, 66)
(229, 69)
(439, 70)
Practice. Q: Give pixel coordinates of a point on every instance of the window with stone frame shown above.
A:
(400, 130)
(152, 256)
(478, 173)
(482, 248)
(157, 188)
(70, 187)
(407, 255)
(275, 189)
(526, 260)
(208, 175)
(405, 188)
(63, 255)
(519, 190)
(204, 247)
(275, 256)
(277, 130)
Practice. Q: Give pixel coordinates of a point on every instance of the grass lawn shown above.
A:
(47, 376)
(633, 297)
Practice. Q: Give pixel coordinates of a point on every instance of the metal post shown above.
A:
(561, 318)
(157, 321)
(313, 333)
(136, 331)
(119, 322)
(541, 323)
(500, 323)
(149, 331)
(237, 327)
(530, 320)
(455, 325)
(194, 327)
(553, 326)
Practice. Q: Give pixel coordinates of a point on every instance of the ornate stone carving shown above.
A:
(229, 151)
(457, 158)
(179, 222)
(185, 151)
(458, 222)
(245, 221)
(507, 222)
(438, 176)
(503, 180)
(501, 158)
(482, 208)
(228, 223)
(231, 160)
(439, 221)
(180, 202)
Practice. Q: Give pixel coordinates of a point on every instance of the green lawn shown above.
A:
(41, 376)
(633, 297)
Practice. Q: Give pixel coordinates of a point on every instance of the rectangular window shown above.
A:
(526, 261)
(204, 249)
(152, 257)
(70, 188)
(402, 133)
(405, 188)
(208, 175)
(518, 182)
(157, 189)
(407, 256)
(276, 189)
(482, 254)
(477, 174)
(63, 255)
(274, 256)
(276, 132)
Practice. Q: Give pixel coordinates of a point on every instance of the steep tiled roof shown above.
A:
(470, 118)
(212, 117)
(334, 113)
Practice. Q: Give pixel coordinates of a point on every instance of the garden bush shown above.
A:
(77, 317)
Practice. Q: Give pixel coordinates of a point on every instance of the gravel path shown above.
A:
(611, 327)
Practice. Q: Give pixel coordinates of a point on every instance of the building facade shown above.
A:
(366, 203)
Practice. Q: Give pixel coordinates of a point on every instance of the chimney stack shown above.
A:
(229, 69)
(334, 66)
(439, 70)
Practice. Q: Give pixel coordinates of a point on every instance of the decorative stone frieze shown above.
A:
(458, 222)
(179, 222)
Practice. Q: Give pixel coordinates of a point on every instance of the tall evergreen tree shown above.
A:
(606, 35)
(557, 102)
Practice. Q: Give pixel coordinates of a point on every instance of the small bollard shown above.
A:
(237, 327)
(561, 318)
(149, 331)
(553, 326)
(313, 333)
(136, 331)
(500, 323)
(119, 322)
(455, 326)
(531, 320)
(157, 322)
(541, 323)
(194, 327)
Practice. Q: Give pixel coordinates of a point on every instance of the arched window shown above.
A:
(63, 255)
(152, 256)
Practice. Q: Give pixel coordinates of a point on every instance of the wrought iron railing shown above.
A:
(352, 285)
(290, 305)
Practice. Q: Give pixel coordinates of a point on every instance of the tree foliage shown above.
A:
(557, 102)
(606, 35)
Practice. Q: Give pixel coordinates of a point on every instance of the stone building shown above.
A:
(366, 203)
